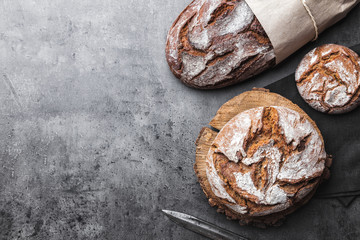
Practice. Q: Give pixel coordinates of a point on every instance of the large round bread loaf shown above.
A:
(265, 162)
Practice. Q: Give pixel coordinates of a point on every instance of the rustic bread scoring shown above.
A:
(265, 163)
(216, 43)
(328, 79)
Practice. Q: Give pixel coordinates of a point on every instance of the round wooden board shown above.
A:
(247, 100)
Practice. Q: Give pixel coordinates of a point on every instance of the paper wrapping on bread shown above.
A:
(289, 25)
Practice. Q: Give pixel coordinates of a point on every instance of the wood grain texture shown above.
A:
(203, 143)
(258, 97)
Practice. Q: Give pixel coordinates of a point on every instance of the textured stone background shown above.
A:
(97, 136)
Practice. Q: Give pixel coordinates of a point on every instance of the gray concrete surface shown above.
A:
(97, 135)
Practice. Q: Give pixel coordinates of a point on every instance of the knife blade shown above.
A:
(201, 226)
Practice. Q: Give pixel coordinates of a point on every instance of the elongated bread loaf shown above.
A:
(216, 43)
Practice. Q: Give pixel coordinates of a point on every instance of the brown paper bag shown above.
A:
(289, 25)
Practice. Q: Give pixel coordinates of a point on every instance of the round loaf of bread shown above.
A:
(216, 43)
(263, 164)
(328, 79)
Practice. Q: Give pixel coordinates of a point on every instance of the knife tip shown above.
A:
(170, 214)
(166, 212)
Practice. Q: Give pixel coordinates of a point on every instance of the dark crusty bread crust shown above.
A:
(217, 43)
(328, 79)
(206, 139)
(273, 183)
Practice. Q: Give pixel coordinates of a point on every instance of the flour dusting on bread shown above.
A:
(270, 147)
(328, 79)
(216, 43)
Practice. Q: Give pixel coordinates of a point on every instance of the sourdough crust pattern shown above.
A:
(239, 204)
(216, 43)
(328, 79)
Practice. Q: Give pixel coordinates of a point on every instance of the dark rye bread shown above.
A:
(217, 43)
(328, 79)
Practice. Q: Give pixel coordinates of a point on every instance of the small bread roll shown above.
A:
(328, 79)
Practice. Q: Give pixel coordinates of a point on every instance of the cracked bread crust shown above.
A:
(328, 79)
(251, 170)
(217, 43)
